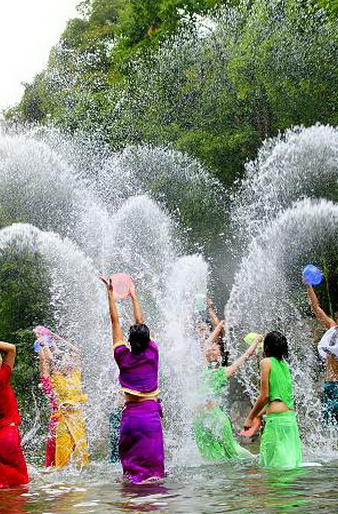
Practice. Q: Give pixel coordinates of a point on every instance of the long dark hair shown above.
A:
(224, 354)
(276, 345)
(139, 337)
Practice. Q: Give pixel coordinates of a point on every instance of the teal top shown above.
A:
(215, 379)
(280, 383)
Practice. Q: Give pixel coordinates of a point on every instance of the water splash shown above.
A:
(284, 225)
(86, 211)
(301, 163)
(181, 364)
(77, 302)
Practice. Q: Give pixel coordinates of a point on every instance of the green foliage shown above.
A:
(98, 24)
(95, 51)
(330, 5)
(264, 67)
(147, 72)
(23, 294)
(145, 24)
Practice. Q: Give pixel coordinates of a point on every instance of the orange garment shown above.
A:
(71, 439)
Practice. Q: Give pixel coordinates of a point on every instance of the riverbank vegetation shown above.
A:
(211, 78)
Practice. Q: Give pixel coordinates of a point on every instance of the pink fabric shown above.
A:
(40, 330)
(51, 444)
(48, 390)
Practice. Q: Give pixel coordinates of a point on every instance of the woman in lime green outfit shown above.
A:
(280, 444)
(211, 425)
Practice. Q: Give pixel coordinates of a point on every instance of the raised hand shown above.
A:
(248, 423)
(107, 283)
(305, 283)
(132, 291)
(252, 348)
(210, 303)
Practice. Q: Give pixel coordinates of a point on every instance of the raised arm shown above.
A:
(321, 316)
(70, 345)
(212, 313)
(231, 370)
(214, 334)
(114, 317)
(136, 306)
(211, 342)
(45, 362)
(9, 351)
(263, 397)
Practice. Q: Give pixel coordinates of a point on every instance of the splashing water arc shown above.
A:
(285, 219)
(87, 211)
(114, 222)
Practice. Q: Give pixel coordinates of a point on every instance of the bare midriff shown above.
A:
(133, 398)
(277, 406)
(331, 368)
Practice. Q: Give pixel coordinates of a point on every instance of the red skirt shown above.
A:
(13, 469)
(51, 441)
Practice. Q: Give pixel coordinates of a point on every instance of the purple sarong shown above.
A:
(141, 441)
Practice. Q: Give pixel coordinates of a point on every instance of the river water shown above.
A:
(282, 221)
(207, 489)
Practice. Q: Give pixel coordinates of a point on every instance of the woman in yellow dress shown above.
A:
(65, 377)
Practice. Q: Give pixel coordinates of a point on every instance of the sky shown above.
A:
(28, 30)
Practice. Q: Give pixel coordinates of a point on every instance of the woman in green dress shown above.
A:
(211, 425)
(280, 444)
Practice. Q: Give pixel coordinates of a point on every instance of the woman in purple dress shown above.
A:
(141, 436)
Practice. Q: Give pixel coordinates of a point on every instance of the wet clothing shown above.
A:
(328, 345)
(114, 423)
(13, 469)
(280, 443)
(68, 389)
(280, 446)
(138, 372)
(9, 412)
(215, 380)
(141, 435)
(214, 436)
(328, 351)
(141, 441)
(330, 403)
(70, 432)
(211, 425)
(280, 383)
(48, 390)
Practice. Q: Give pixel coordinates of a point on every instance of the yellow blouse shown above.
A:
(68, 389)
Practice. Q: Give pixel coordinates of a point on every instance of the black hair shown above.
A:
(276, 345)
(139, 337)
(208, 322)
(224, 354)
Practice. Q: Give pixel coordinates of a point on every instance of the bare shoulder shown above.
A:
(265, 364)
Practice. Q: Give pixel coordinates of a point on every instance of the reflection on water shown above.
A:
(206, 490)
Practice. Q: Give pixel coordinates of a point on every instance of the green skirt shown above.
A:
(214, 437)
(280, 443)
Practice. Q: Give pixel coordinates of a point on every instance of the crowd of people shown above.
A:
(140, 446)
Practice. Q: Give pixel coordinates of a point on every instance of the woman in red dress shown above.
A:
(13, 469)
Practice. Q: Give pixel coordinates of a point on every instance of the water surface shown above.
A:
(203, 490)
